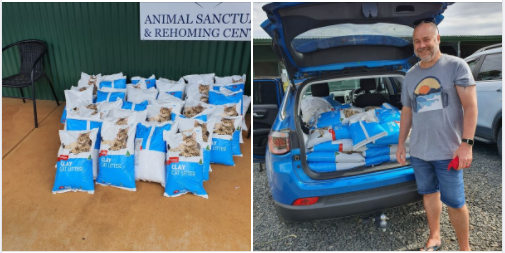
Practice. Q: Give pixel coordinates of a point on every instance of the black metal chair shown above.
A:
(30, 71)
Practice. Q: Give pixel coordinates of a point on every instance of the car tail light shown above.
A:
(278, 142)
(305, 201)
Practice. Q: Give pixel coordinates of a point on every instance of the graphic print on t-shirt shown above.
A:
(429, 96)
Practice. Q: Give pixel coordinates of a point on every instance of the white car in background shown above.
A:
(486, 65)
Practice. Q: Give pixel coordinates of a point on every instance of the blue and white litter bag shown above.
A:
(162, 113)
(184, 163)
(189, 125)
(140, 95)
(235, 145)
(392, 157)
(325, 167)
(81, 123)
(79, 94)
(341, 145)
(135, 106)
(386, 115)
(232, 83)
(85, 92)
(105, 107)
(386, 150)
(365, 128)
(149, 82)
(200, 79)
(222, 140)
(313, 106)
(335, 157)
(327, 119)
(198, 91)
(113, 82)
(393, 133)
(165, 98)
(197, 110)
(74, 99)
(116, 162)
(173, 88)
(90, 80)
(150, 151)
(376, 160)
(115, 114)
(327, 134)
(226, 110)
(85, 112)
(110, 95)
(218, 98)
(74, 169)
(389, 106)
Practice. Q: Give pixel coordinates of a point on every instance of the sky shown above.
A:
(460, 19)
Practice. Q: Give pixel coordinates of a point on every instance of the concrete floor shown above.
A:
(112, 219)
(14, 110)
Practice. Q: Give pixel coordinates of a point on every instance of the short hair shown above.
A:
(432, 25)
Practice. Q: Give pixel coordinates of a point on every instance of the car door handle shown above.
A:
(499, 90)
(258, 115)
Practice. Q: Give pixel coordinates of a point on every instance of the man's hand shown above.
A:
(401, 153)
(464, 152)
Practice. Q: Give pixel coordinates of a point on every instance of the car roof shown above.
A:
(484, 52)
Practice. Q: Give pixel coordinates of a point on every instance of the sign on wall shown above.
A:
(195, 21)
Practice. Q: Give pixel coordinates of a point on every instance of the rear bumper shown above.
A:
(347, 204)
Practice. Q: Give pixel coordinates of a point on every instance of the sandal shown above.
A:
(434, 248)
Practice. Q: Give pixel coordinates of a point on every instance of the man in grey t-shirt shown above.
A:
(440, 105)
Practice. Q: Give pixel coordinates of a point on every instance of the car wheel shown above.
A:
(498, 141)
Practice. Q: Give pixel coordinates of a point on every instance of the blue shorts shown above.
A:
(433, 176)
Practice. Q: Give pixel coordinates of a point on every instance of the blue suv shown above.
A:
(350, 53)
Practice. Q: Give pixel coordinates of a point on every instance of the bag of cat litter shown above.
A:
(105, 107)
(393, 133)
(166, 80)
(85, 112)
(135, 106)
(74, 169)
(113, 82)
(365, 128)
(77, 123)
(196, 112)
(165, 98)
(335, 157)
(162, 113)
(207, 131)
(140, 116)
(114, 76)
(232, 83)
(150, 151)
(341, 145)
(116, 161)
(198, 92)
(235, 145)
(230, 79)
(389, 106)
(175, 89)
(200, 79)
(222, 141)
(139, 95)
(226, 110)
(392, 157)
(90, 80)
(386, 115)
(76, 94)
(375, 160)
(386, 150)
(325, 167)
(150, 82)
(86, 92)
(110, 95)
(74, 100)
(373, 145)
(246, 102)
(217, 98)
(321, 135)
(310, 106)
(184, 164)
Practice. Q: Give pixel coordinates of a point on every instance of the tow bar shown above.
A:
(379, 219)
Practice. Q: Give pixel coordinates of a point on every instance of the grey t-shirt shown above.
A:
(437, 114)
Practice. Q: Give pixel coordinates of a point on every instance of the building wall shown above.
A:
(105, 38)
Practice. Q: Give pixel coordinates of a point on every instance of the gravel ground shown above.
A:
(408, 227)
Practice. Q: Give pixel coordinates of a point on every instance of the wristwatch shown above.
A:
(468, 141)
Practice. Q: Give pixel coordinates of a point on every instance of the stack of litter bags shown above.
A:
(348, 137)
(162, 131)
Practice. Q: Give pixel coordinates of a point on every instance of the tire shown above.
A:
(498, 141)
